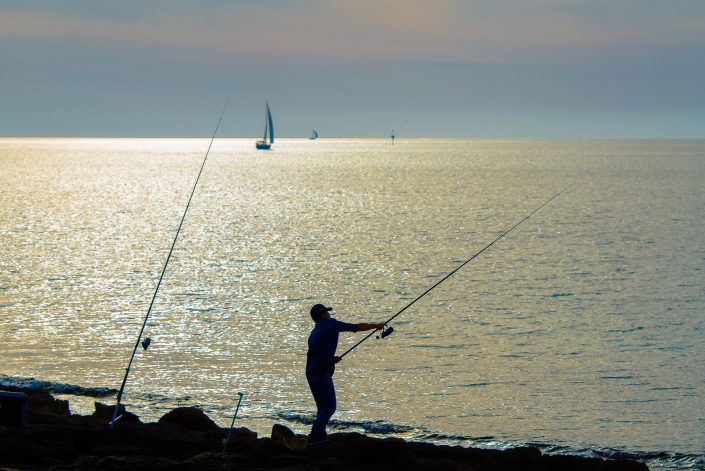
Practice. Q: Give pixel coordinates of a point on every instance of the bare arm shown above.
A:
(366, 326)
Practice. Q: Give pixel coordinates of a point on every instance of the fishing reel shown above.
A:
(386, 332)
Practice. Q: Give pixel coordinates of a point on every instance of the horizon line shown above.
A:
(385, 138)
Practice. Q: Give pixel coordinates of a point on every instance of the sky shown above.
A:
(354, 68)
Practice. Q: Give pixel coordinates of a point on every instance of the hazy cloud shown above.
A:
(454, 30)
(435, 63)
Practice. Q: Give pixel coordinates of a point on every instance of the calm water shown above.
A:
(583, 330)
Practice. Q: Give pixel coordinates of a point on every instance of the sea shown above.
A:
(581, 331)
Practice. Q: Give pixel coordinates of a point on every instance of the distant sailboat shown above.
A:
(268, 132)
(314, 135)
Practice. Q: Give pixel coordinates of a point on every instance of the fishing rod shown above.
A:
(147, 341)
(226, 440)
(389, 330)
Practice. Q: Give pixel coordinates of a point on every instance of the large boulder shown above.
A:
(190, 418)
(44, 408)
(283, 435)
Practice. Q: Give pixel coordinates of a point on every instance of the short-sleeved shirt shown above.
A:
(322, 344)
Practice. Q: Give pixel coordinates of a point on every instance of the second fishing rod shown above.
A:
(147, 341)
(389, 330)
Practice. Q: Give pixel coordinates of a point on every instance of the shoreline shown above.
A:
(187, 438)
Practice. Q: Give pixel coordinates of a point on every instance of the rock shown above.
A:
(187, 439)
(264, 450)
(44, 408)
(212, 461)
(119, 463)
(190, 418)
(104, 414)
(387, 453)
(241, 440)
(242, 434)
(284, 436)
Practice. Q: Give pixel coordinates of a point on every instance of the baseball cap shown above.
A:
(318, 310)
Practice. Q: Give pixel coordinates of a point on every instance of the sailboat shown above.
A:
(314, 135)
(268, 132)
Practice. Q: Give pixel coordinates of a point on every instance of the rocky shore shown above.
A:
(187, 439)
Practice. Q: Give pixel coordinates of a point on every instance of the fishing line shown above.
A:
(146, 341)
(389, 330)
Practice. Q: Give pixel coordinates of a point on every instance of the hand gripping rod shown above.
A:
(458, 268)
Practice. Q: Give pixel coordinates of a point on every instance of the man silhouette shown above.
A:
(320, 364)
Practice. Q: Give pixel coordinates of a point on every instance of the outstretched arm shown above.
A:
(365, 326)
(362, 327)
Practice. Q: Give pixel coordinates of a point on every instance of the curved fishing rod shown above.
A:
(146, 341)
(386, 332)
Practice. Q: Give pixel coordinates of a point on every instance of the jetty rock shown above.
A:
(186, 438)
(190, 418)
